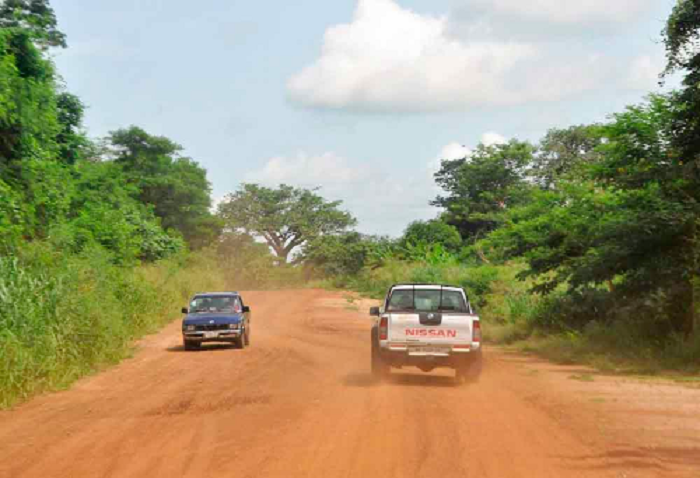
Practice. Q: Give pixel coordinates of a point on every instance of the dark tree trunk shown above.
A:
(682, 307)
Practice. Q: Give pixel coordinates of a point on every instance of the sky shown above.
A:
(360, 98)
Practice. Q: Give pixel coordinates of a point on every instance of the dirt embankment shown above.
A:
(300, 403)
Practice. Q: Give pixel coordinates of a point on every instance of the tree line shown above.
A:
(132, 193)
(605, 213)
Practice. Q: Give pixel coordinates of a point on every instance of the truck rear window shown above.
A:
(427, 301)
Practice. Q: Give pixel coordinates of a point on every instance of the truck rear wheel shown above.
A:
(470, 371)
(380, 369)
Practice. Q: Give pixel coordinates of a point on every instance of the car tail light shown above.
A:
(384, 328)
(476, 331)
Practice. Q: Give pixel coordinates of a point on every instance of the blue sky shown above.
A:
(359, 97)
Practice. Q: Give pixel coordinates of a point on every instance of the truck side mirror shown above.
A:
(185, 311)
(246, 309)
(374, 311)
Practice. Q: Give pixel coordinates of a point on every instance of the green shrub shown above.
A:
(64, 316)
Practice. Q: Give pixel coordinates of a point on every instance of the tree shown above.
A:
(682, 39)
(484, 185)
(70, 139)
(563, 151)
(104, 210)
(286, 217)
(176, 186)
(28, 130)
(681, 36)
(33, 16)
(340, 255)
(28, 113)
(631, 223)
(433, 232)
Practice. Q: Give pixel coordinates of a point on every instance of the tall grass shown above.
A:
(65, 316)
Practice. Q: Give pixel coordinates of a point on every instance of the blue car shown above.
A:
(216, 317)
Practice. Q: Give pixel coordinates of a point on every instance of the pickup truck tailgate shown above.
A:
(430, 328)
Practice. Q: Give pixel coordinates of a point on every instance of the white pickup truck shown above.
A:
(427, 326)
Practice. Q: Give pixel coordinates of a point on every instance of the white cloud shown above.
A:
(384, 202)
(307, 170)
(492, 139)
(644, 72)
(449, 152)
(391, 59)
(454, 151)
(457, 150)
(566, 11)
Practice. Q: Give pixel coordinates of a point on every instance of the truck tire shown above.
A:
(247, 337)
(380, 369)
(190, 345)
(470, 371)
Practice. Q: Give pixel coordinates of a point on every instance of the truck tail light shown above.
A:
(384, 328)
(476, 331)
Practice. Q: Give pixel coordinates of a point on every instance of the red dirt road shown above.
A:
(300, 403)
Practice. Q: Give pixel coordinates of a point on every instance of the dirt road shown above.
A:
(300, 403)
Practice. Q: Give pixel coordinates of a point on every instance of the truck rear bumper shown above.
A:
(438, 350)
(422, 356)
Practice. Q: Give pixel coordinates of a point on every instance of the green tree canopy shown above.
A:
(681, 36)
(632, 221)
(563, 151)
(682, 39)
(71, 139)
(28, 112)
(342, 254)
(286, 217)
(433, 232)
(176, 186)
(484, 185)
(35, 17)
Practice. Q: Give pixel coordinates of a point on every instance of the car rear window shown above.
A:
(427, 301)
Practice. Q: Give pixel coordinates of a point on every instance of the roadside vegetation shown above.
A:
(101, 240)
(584, 246)
(65, 316)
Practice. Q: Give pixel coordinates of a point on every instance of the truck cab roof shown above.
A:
(216, 294)
(425, 286)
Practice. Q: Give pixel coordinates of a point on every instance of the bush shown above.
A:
(433, 232)
(10, 216)
(65, 316)
(479, 281)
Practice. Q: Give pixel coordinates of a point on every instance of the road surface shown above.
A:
(300, 403)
